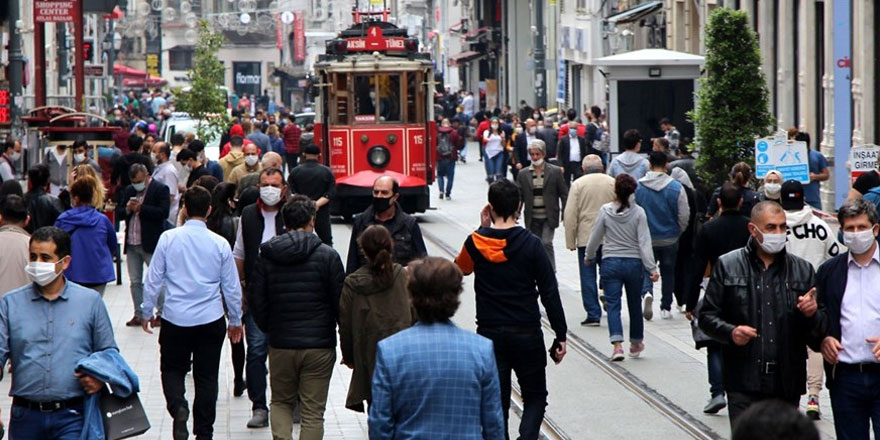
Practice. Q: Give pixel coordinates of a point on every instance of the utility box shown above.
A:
(649, 85)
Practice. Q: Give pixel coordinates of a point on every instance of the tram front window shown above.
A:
(378, 98)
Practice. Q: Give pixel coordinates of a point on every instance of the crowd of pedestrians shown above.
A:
(241, 248)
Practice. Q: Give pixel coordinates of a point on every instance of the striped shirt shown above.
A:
(538, 209)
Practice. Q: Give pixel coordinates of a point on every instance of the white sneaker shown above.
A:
(665, 314)
(647, 306)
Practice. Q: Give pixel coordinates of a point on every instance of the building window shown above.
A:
(581, 5)
(180, 58)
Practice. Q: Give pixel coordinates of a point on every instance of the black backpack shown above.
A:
(444, 145)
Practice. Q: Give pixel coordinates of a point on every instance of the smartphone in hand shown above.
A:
(553, 349)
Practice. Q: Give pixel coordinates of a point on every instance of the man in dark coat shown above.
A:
(761, 305)
(408, 242)
(316, 181)
(147, 203)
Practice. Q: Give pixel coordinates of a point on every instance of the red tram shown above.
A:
(375, 114)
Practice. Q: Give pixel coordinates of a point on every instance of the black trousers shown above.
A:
(199, 347)
(571, 171)
(521, 351)
(322, 225)
(738, 403)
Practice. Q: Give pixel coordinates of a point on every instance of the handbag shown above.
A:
(698, 334)
(123, 417)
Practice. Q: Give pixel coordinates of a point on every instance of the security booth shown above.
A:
(646, 86)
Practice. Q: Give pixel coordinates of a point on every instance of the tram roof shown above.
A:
(371, 63)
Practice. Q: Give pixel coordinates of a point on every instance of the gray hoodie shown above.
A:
(622, 234)
(629, 162)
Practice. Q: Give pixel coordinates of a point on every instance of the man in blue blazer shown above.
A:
(435, 380)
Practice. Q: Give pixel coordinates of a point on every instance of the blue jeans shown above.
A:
(855, 400)
(445, 174)
(617, 274)
(589, 288)
(64, 424)
(494, 166)
(255, 362)
(665, 257)
(715, 362)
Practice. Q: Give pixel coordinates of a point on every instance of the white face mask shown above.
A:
(270, 195)
(532, 130)
(15, 156)
(187, 167)
(154, 158)
(859, 242)
(251, 159)
(518, 130)
(773, 243)
(79, 157)
(494, 127)
(772, 189)
(41, 273)
(538, 162)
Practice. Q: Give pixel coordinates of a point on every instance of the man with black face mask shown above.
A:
(761, 305)
(385, 211)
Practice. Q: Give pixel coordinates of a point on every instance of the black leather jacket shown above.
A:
(733, 298)
(43, 208)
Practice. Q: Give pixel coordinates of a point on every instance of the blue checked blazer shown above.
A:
(436, 381)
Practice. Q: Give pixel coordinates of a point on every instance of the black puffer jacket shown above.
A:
(44, 209)
(294, 291)
(733, 299)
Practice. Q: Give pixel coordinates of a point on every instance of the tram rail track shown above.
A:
(693, 427)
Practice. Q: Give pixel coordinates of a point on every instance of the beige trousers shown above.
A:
(305, 374)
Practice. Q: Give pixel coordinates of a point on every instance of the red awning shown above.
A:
(115, 15)
(464, 57)
(120, 70)
(477, 33)
(457, 27)
(144, 82)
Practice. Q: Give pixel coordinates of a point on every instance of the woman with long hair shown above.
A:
(741, 176)
(374, 305)
(223, 222)
(98, 190)
(622, 231)
(494, 139)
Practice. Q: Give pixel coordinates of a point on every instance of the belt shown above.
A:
(868, 367)
(50, 406)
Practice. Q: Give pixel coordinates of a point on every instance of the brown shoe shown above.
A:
(134, 322)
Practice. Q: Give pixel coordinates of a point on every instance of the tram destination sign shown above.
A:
(374, 41)
(55, 11)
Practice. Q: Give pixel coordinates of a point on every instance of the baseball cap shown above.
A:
(312, 149)
(792, 195)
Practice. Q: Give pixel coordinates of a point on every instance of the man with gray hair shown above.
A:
(544, 193)
(587, 195)
(144, 206)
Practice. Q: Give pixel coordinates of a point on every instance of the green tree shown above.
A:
(733, 101)
(204, 100)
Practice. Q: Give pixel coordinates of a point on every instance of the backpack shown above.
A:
(602, 141)
(444, 145)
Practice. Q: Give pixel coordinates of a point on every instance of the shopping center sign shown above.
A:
(55, 11)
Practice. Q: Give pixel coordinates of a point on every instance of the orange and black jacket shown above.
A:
(512, 270)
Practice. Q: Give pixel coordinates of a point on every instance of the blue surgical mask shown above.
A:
(139, 186)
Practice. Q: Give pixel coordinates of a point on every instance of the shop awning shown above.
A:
(120, 70)
(152, 81)
(635, 13)
(457, 27)
(477, 33)
(464, 57)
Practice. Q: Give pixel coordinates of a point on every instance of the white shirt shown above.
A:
(493, 144)
(167, 174)
(574, 149)
(468, 105)
(6, 171)
(268, 233)
(860, 310)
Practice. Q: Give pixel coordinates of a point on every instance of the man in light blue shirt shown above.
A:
(46, 327)
(197, 269)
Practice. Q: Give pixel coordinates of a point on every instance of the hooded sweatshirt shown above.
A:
(93, 244)
(810, 238)
(665, 203)
(622, 234)
(294, 291)
(631, 163)
(511, 271)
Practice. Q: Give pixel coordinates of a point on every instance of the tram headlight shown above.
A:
(378, 156)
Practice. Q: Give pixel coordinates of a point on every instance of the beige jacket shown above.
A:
(232, 159)
(13, 258)
(241, 171)
(588, 193)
